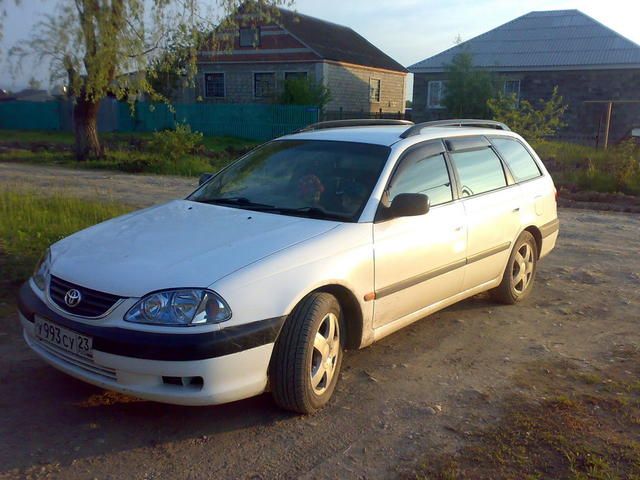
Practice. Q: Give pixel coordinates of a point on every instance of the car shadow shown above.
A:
(49, 417)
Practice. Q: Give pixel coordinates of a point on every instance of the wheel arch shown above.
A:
(351, 311)
(537, 235)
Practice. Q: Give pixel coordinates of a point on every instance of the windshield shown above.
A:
(318, 179)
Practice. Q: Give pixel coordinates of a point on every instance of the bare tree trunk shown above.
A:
(85, 125)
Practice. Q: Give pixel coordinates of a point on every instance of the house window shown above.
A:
(295, 75)
(512, 87)
(214, 85)
(250, 37)
(374, 89)
(264, 85)
(436, 92)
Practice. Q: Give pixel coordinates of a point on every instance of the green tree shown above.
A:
(35, 84)
(103, 48)
(468, 88)
(304, 91)
(533, 123)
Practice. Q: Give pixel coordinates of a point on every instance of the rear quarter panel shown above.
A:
(539, 205)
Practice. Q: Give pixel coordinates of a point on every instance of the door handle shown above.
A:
(458, 229)
(516, 210)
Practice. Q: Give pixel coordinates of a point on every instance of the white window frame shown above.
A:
(275, 83)
(258, 37)
(442, 84)
(224, 84)
(371, 98)
(504, 87)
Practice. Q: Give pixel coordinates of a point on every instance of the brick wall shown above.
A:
(349, 86)
(585, 121)
(239, 79)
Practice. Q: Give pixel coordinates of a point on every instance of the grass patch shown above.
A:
(32, 136)
(572, 425)
(581, 168)
(127, 152)
(29, 223)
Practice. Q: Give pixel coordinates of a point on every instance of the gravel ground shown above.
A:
(416, 392)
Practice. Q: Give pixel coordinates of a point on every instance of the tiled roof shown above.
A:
(552, 40)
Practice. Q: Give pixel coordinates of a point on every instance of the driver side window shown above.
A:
(423, 174)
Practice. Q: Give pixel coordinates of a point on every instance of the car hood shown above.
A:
(178, 244)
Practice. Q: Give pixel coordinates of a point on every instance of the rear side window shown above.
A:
(521, 163)
(479, 170)
(420, 174)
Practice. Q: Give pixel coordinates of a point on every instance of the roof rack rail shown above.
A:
(416, 129)
(361, 122)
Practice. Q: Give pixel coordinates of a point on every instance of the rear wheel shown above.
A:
(308, 354)
(520, 273)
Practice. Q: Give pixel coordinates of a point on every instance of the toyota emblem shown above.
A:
(72, 297)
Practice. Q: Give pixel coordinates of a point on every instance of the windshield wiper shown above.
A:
(312, 212)
(242, 202)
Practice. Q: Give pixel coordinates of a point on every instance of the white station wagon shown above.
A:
(327, 239)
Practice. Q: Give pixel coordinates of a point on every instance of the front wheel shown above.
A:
(520, 273)
(308, 354)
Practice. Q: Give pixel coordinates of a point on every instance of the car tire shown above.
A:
(519, 275)
(304, 368)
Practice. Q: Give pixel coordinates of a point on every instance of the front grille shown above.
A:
(92, 303)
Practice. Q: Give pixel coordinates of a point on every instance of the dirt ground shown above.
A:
(418, 392)
(137, 190)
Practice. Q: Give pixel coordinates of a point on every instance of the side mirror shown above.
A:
(409, 205)
(204, 178)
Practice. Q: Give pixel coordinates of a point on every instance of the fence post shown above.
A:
(340, 113)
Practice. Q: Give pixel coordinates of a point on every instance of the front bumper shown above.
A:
(185, 369)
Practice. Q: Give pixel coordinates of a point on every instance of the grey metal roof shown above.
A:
(552, 40)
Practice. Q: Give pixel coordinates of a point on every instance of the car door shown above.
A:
(537, 192)
(492, 205)
(419, 260)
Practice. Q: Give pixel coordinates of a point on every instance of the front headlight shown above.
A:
(41, 271)
(183, 307)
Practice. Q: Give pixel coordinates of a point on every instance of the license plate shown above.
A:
(63, 338)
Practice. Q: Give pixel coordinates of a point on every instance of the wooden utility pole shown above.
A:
(607, 125)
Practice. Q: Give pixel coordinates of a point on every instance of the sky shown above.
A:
(407, 30)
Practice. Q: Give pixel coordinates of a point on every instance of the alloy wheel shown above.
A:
(324, 357)
(523, 264)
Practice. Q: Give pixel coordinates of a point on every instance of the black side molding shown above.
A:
(550, 228)
(423, 277)
(158, 346)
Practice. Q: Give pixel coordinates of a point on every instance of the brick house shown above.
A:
(592, 65)
(360, 77)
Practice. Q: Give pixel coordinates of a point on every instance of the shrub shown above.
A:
(174, 145)
(533, 123)
(303, 91)
(622, 164)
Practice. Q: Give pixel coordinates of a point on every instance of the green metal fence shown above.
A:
(258, 122)
(31, 115)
